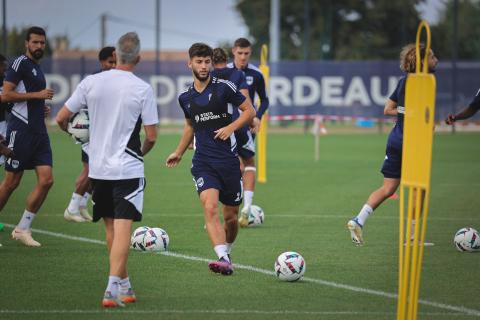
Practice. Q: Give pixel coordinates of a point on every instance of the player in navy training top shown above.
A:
(5, 152)
(466, 113)
(77, 208)
(392, 165)
(242, 50)
(208, 105)
(26, 131)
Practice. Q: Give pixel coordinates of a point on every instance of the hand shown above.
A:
(173, 160)
(450, 119)
(46, 110)
(46, 94)
(7, 152)
(223, 133)
(255, 125)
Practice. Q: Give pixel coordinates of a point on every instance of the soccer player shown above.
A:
(466, 113)
(4, 107)
(116, 154)
(77, 208)
(392, 165)
(207, 106)
(27, 136)
(242, 50)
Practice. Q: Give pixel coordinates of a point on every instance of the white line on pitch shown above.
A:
(462, 309)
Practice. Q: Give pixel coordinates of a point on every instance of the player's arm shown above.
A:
(187, 137)
(150, 138)
(246, 116)
(390, 108)
(10, 95)
(464, 114)
(62, 117)
(4, 150)
(264, 103)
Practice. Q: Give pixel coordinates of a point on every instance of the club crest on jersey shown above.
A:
(34, 72)
(200, 182)
(249, 80)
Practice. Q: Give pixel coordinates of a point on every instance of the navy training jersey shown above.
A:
(233, 75)
(209, 111)
(476, 101)
(28, 77)
(395, 139)
(256, 83)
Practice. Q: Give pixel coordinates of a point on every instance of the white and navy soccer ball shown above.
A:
(156, 239)
(290, 266)
(256, 216)
(467, 239)
(78, 126)
(137, 239)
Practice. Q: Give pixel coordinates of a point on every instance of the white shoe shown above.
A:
(25, 236)
(85, 215)
(356, 232)
(76, 217)
(243, 219)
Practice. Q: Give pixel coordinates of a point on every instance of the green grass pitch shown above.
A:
(306, 204)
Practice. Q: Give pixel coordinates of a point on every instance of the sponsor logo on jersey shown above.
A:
(206, 116)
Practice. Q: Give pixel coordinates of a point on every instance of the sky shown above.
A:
(183, 22)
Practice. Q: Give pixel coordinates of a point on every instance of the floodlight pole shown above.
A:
(157, 36)
(4, 27)
(454, 59)
(275, 31)
(103, 30)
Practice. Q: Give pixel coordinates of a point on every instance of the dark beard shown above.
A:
(201, 78)
(37, 54)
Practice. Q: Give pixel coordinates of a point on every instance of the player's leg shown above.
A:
(84, 185)
(246, 151)
(10, 182)
(72, 212)
(108, 232)
(230, 217)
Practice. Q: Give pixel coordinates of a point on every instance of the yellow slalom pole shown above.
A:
(416, 169)
(262, 134)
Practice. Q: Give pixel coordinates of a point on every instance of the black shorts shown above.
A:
(118, 199)
(31, 150)
(392, 165)
(245, 143)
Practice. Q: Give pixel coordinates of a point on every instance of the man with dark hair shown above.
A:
(116, 154)
(242, 50)
(207, 105)
(27, 135)
(77, 208)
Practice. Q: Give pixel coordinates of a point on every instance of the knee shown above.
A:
(231, 220)
(46, 183)
(211, 210)
(389, 191)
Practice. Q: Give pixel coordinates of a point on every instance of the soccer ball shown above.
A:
(78, 126)
(290, 266)
(156, 239)
(255, 216)
(467, 239)
(136, 241)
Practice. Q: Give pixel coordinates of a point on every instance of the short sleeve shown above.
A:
(394, 95)
(14, 73)
(78, 100)
(242, 82)
(184, 107)
(149, 108)
(233, 96)
(476, 101)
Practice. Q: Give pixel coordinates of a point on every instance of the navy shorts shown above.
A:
(30, 149)
(392, 166)
(245, 143)
(225, 177)
(118, 199)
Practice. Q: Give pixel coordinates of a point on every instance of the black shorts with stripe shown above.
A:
(118, 199)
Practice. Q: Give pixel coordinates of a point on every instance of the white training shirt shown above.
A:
(115, 100)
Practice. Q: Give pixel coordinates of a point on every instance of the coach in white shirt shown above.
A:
(118, 102)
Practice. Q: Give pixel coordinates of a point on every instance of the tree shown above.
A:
(468, 31)
(339, 29)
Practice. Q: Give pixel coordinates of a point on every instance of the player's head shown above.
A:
(3, 65)
(200, 60)
(242, 50)
(127, 51)
(35, 42)
(219, 58)
(408, 58)
(107, 58)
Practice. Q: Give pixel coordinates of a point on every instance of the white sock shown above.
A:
(125, 284)
(26, 220)
(113, 283)
(84, 201)
(74, 204)
(229, 247)
(247, 198)
(363, 214)
(222, 251)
